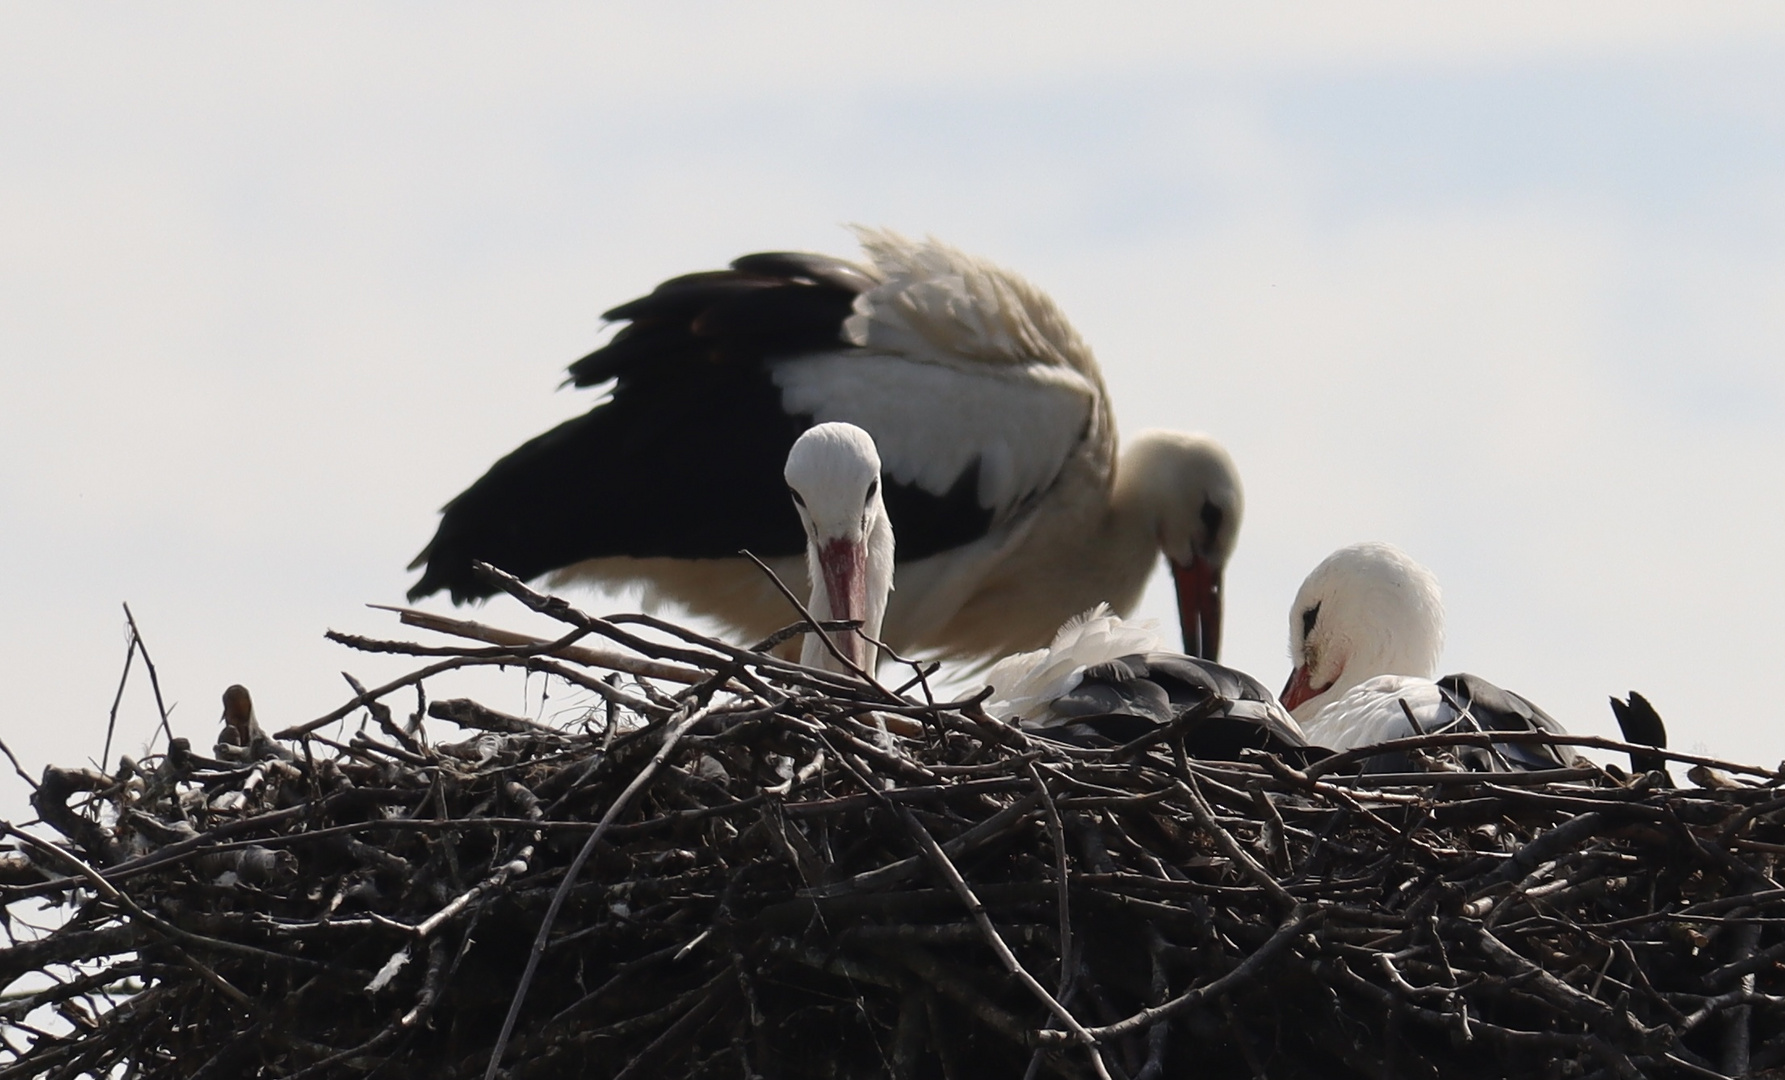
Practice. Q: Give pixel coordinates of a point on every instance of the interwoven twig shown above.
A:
(795, 893)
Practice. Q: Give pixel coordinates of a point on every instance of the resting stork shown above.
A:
(1106, 680)
(1365, 632)
(833, 474)
(994, 430)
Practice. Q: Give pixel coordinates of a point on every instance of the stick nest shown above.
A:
(800, 875)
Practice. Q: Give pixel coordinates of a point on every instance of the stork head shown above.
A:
(1366, 610)
(833, 473)
(1191, 483)
(238, 715)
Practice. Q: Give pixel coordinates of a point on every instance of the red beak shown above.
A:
(1199, 606)
(844, 564)
(1298, 689)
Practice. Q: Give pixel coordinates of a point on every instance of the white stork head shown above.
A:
(833, 473)
(1192, 489)
(1366, 610)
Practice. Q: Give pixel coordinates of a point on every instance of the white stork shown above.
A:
(994, 430)
(1105, 680)
(1365, 632)
(833, 474)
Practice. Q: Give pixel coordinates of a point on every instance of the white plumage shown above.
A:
(1366, 610)
(976, 367)
(1016, 425)
(1371, 713)
(1024, 684)
(1365, 633)
(995, 433)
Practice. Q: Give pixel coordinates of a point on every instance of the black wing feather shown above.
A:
(1496, 709)
(685, 459)
(827, 270)
(1125, 698)
(1641, 724)
(622, 480)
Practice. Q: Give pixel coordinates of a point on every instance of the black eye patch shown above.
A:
(1212, 517)
(796, 496)
(873, 486)
(1308, 618)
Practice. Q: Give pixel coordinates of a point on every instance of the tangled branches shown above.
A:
(806, 875)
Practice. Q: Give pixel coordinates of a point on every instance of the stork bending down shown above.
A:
(1365, 632)
(994, 429)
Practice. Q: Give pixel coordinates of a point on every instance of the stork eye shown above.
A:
(1308, 618)
(1212, 517)
(873, 488)
(798, 501)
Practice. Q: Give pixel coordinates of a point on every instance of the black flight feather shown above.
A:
(1641, 724)
(685, 458)
(1492, 708)
(1122, 700)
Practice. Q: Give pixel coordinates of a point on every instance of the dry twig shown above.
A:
(737, 874)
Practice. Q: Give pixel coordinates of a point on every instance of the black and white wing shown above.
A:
(1226, 711)
(1390, 707)
(975, 390)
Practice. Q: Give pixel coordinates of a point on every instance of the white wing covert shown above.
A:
(933, 420)
(1371, 712)
(958, 362)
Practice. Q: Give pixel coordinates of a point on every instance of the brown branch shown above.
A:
(671, 736)
(576, 654)
(142, 648)
(1008, 959)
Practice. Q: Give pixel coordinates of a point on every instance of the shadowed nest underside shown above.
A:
(801, 875)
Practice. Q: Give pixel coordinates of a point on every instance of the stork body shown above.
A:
(1365, 632)
(1106, 680)
(995, 433)
(833, 474)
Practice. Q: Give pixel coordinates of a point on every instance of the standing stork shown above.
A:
(1365, 632)
(995, 433)
(833, 474)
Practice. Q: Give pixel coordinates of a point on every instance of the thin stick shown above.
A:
(1011, 964)
(142, 646)
(579, 654)
(670, 738)
(1242, 858)
(558, 608)
(361, 700)
(1293, 925)
(817, 627)
(111, 723)
(157, 926)
(1057, 835)
(1544, 738)
(16, 767)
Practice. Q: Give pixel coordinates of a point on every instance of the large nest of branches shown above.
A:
(745, 868)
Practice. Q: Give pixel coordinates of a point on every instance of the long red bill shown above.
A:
(844, 564)
(1199, 606)
(1298, 689)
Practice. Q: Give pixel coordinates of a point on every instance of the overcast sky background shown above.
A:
(1503, 284)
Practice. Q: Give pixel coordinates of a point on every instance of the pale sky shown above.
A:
(1501, 283)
